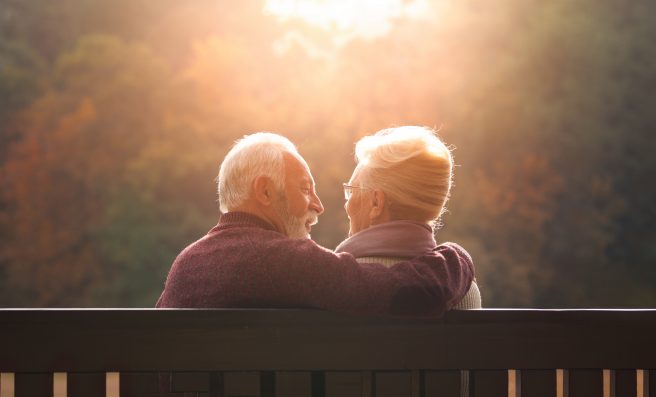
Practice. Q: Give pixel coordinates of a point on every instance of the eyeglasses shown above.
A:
(348, 190)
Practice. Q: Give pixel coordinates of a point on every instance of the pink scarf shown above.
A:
(404, 239)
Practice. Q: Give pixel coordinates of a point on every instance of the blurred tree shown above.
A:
(114, 118)
(21, 81)
(84, 184)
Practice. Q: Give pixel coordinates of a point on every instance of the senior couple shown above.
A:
(260, 253)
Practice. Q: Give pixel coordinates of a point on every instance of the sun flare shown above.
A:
(366, 18)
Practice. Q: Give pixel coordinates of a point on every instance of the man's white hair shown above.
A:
(259, 154)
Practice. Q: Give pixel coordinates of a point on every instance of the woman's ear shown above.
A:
(377, 204)
(263, 190)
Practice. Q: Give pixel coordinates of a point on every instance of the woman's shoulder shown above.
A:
(472, 299)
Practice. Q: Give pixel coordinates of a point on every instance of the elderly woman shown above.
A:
(395, 197)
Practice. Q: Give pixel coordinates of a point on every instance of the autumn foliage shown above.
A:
(114, 118)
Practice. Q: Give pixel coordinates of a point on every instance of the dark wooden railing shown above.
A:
(270, 352)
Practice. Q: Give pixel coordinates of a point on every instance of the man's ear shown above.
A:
(377, 204)
(264, 191)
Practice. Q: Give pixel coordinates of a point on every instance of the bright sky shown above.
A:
(364, 18)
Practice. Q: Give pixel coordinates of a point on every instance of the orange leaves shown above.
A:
(502, 210)
(50, 208)
(71, 164)
(526, 188)
(116, 137)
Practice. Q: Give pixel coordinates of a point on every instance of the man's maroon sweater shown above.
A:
(245, 262)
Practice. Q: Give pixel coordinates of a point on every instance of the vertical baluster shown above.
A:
(164, 382)
(464, 383)
(418, 385)
(7, 384)
(59, 384)
(538, 383)
(217, 383)
(562, 383)
(608, 377)
(642, 383)
(112, 384)
(318, 382)
(514, 383)
(368, 383)
(267, 384)
(645, 383)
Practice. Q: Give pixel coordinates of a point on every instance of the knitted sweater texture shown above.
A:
(244, 262)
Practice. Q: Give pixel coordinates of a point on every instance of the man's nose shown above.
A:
(315, 204)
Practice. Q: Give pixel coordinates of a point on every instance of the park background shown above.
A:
(115, 116)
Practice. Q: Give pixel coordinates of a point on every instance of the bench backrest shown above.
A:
(267, 352)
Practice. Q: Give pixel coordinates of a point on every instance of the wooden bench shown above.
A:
(295, 352)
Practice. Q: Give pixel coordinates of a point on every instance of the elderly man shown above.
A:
(260, 254)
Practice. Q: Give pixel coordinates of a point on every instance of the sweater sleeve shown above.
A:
(302, 273)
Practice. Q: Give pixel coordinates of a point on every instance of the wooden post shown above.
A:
(59, 384)
(562, 383)
(7, 384)
(514, 383)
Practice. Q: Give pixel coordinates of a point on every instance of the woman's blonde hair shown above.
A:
(412, 166)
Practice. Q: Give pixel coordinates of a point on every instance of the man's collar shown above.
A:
(243, 219)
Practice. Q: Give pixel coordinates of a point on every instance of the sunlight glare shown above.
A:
(365, 18)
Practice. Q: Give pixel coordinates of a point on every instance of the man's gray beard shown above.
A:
(294, 226)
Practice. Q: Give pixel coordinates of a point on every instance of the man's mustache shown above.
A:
(312, 218)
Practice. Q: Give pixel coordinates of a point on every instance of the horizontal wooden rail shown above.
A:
(267, 352)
